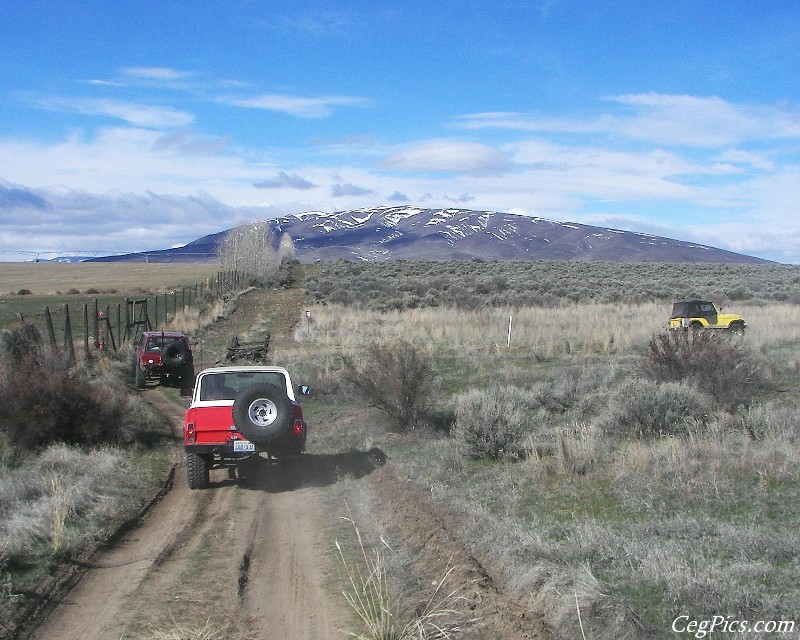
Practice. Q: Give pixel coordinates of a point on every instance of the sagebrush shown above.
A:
(397, 378)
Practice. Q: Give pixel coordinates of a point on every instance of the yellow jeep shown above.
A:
(700, 314)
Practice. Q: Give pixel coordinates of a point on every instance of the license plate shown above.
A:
(243, 446)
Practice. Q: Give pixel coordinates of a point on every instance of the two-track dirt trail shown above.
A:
(252, 559)
(240, 560)
(244, 560)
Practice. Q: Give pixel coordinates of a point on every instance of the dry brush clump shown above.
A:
(44, 400)
(717, 363)
(397, 378)
(500, 422)
(646, 409)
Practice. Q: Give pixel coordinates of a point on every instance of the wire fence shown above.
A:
(97, 326)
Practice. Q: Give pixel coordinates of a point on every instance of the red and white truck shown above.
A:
(239, 412)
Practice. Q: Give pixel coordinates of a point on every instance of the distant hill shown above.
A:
(391, 233)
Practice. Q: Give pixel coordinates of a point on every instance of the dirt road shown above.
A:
(252, 558)
(239, 560)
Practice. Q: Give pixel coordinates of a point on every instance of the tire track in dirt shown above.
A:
(241, 560)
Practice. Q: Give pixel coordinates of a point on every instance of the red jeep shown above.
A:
(237, 412)
(166, 355)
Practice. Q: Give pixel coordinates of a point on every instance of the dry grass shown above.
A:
(614, 534)
(176, 631)
(543, 333)
(370, 595)
(42, 278)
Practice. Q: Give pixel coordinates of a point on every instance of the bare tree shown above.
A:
(286, 248)
(249, 248)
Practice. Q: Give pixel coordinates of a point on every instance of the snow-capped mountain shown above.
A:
(390, 233)
(386, 233)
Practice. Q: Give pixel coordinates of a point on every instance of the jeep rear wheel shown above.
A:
(262, 412)
(197, 471)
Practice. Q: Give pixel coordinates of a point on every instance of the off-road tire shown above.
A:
(175, 355)
(139, 376)
(736, 329)
(187, 377)
(262, 413)
(197, 471)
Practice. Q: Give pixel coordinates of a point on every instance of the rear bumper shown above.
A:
(224, 452)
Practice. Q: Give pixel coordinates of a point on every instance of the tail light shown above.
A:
(191, 432)
(298, 426)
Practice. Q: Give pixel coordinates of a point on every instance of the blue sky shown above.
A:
(138, 125)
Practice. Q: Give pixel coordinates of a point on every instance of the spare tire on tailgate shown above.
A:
(175, 354)
(262, 412)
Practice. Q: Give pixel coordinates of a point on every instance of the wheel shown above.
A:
(133, 364)
(140, 376)
(197, 471)
(262, 412)
(736, 329)
(175, 355)
(187, 378)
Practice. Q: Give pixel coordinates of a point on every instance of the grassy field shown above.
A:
(27, 288)
(630, 530)
(617, 531)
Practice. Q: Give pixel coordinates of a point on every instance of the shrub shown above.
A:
(713, 362)
(397, 378)
(43, 400)
(495, 423)
(644, 408)
(761, 422)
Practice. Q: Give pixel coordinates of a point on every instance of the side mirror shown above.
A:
(305, 390)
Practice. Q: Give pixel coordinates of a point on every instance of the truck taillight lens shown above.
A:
(297, 416)
(191, 432)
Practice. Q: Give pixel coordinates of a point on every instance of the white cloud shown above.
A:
(157, 73)
(300, 107)
(448, 156)
(675, 120)
(703, 121)
(140, 115)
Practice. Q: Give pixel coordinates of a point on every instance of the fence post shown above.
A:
(48, 321)
(69, 345)
(86, 331)
(127, 319)
(96, 323)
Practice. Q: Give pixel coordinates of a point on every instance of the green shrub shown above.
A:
(495, 423)
(644, 408)
(397, 378)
